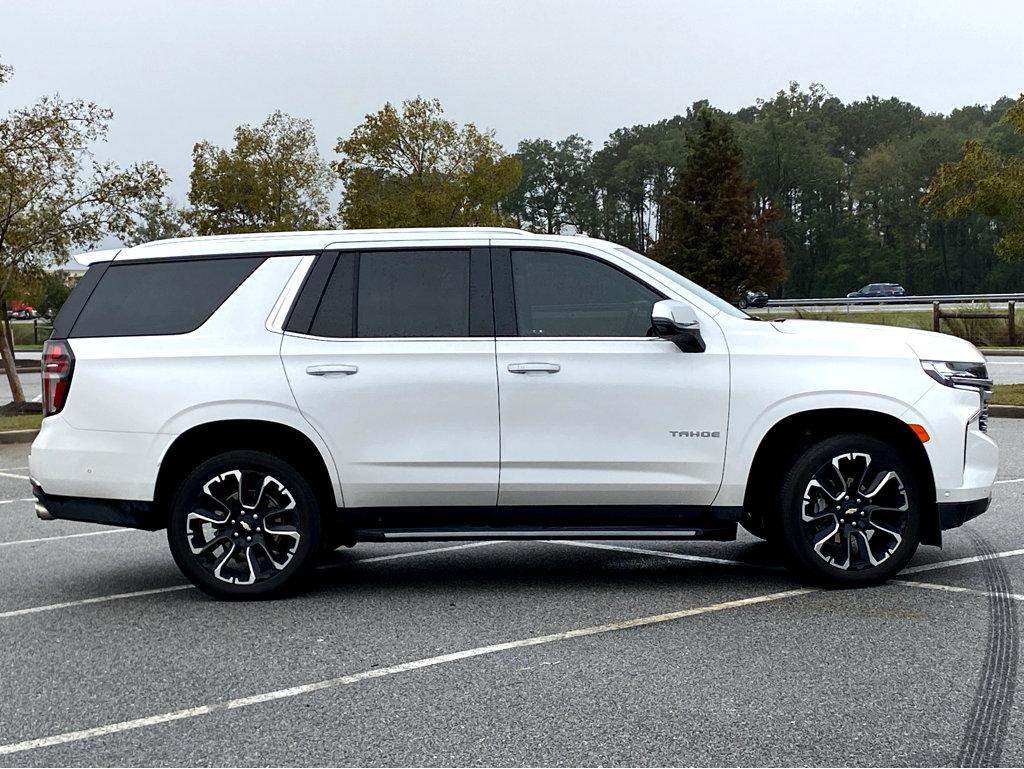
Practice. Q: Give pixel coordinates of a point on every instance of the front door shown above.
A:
(594, 409)
(395, 370)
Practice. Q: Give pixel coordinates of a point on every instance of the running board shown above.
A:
(725, 532)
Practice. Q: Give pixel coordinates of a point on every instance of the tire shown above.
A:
(742, 304)
(244, 524)
(850, 512)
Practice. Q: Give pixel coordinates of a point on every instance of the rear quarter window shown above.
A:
(160, 297)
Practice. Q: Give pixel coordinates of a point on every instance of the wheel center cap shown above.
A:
(245, 526)
(850, 511)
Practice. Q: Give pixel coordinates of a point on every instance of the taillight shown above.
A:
(58, 364)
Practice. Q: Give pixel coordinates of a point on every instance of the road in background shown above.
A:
(1006, 369)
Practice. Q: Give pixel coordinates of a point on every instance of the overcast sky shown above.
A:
(178, 72)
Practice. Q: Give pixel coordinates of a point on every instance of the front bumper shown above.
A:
(954, 514)
(131, 514)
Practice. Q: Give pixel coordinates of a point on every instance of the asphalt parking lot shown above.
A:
(624, 653)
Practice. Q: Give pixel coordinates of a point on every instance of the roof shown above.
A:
(276, 242)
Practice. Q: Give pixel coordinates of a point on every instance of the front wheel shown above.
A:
(850, 511)
(244, 524)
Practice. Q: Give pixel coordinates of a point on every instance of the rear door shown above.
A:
(595, 409)
(390, 355)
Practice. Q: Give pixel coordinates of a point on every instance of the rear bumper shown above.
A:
(130, 514)
(953, 514)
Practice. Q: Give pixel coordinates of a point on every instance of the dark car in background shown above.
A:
(752, 299)
(878, 290)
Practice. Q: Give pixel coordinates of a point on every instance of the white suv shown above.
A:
(265, 397)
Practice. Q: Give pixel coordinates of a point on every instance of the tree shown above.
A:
(987, 182)
(631, 174)
(55, 196)
(414, 168)
(272, 180)
(555, 190)
(711, 231)
(158, 219)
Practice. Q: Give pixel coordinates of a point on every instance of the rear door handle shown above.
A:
(332, 368)
(527, 368)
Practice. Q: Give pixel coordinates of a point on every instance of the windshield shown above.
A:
(715, 301)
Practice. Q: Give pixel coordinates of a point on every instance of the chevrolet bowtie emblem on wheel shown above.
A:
(695, 433)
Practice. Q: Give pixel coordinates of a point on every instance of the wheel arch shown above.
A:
(208, 439)
(792, 435)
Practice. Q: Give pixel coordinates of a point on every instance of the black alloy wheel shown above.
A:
(851, 511)
(244, 524)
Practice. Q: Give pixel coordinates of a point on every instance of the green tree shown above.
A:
(555, 190)
(272, 180)
(987, 182)
(414, 168)
(711, 230)
(157, 219)
(630, 176)
(56, 196)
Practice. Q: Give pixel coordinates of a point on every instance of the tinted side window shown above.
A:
(564, 294)
(160, 297)
(335, 316)
(413, 294)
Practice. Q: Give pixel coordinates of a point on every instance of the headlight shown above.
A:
(957, 374)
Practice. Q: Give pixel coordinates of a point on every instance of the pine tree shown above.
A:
(710, 229)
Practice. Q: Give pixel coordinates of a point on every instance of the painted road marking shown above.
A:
(404, 667)
(960, 561)
(1011, 480)
(14, 475)
(86, 601)
(956, 589)
(64, 536)
(658, 553)
(174, 588)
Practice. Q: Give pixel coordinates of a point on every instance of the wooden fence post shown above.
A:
(936, 316)
(1011, 319)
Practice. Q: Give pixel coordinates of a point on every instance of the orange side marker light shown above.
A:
(920, 432)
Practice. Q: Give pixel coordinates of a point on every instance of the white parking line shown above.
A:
(955, 589)
(659, 553)
(960, 561)
(413, 553)
(64, 536)
(12, 501)
(86, 601)
(173, 588)
(420, 664)
(1011, 480)
(8, 469)
(14, 475)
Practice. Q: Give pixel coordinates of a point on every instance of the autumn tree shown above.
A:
(411, 167)
(273, 179)
(711, 231)
(988, 182)
(55, 196)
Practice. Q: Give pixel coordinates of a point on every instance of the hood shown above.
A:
(927, 345)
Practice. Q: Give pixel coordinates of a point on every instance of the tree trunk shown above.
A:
(7, 354)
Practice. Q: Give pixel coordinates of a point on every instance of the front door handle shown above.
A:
(528, 368)
(332, 368)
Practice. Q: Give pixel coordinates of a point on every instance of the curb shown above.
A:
(27, 436)
(1013, 412)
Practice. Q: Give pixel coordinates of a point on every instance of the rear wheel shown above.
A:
(850, 511)
(244, 524)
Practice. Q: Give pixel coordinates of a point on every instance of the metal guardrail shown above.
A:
(941, 298)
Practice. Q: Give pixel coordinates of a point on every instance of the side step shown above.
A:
(721, 532)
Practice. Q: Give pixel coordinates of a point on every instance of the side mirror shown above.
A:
(677, 322)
